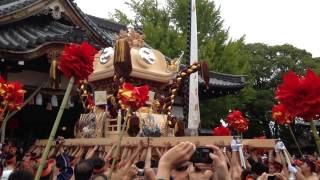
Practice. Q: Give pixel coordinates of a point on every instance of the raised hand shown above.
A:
(220, 167)
(175, 156)
(178, 154)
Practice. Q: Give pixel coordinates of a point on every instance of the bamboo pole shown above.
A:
(295, 140)
(54, 128)
(3, 126)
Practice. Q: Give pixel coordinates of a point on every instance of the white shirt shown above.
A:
(6, 173)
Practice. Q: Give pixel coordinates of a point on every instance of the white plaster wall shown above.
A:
(33, 78)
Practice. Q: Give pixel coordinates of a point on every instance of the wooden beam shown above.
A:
(161, 141)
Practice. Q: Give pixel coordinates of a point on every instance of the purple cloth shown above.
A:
(64, 165)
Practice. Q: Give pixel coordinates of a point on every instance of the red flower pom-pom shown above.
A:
(237, 121)
(2, 86)
(13, 95)
(133, 97)
(77, 60)
(221, 131)
(300, 95)
(281, 115)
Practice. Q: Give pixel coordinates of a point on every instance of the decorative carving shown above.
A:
(174, 64)
(134, 39)
(106, 55)
(147, 55)
(53, 54)
(56, 12)
(55, 9)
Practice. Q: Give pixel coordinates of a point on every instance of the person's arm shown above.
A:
(158, 152)
(53, 152)
(91, 152)
(135, 155)
(143, 154)
(125, 171)
(75, 151)
(175, 156)
(148, 171)
(57, 148)
(78, 156)
(270, 156)
(225, 153)
(235, 168)
(127, 155)
(299, 175)
(280, 158)
(279, 148)
(108, 156)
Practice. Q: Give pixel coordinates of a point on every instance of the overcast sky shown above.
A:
(268, 21)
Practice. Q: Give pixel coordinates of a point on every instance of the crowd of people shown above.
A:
(145, 161)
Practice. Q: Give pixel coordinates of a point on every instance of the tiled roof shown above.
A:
(220, 84)
(9, 6)
(27, 35)
(103, 28)
(107, 25)
(225, 80)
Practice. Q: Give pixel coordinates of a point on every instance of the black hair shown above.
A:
(245, 173)
(99, 176)
(258, 168)
(97, 162)
(21, 175)
(83, 170)
(312, 165)
(48, 177)
(278, 166)
(9, 156)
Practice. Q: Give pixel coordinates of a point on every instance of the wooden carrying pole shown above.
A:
(161, 141)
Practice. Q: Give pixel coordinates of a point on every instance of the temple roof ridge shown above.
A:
(11, 6)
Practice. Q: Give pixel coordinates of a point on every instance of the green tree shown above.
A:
(120, 17)
(234, 60)
(268, 65)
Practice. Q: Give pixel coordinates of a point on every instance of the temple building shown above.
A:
(32, 36)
